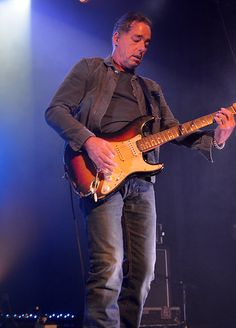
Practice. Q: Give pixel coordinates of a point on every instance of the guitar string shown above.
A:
(170, 134)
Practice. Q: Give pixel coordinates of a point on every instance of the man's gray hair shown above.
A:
(125, 21)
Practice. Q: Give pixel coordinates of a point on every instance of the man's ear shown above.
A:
(115, 38)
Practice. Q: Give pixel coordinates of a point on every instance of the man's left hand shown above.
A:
(226, 123)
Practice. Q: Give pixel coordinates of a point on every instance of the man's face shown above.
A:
(131, 47)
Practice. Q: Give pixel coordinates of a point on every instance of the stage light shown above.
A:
(83, 1)
(20, 7)
(14, 16)
(15, 53)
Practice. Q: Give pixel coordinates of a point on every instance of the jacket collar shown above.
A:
(108, 61)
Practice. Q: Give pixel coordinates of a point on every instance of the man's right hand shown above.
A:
(101, 153)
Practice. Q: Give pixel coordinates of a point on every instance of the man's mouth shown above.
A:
(139, 58)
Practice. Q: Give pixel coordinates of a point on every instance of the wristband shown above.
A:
(217, 146)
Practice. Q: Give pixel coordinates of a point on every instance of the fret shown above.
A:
(167, 135)
(176, 132)
(212, 118)
(170, 134)
(191, 127)
(181, 129)
(187, 128)
(233, 108)
(152, 141)
(158, 139)
(162, 136)
(142, 145)
(198, 123)
(166, 138)
(147, 144)
(208, 120)
(195, 124)
(201, 122)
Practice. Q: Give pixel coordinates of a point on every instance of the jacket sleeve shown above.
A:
(60, 113)
(200, 140)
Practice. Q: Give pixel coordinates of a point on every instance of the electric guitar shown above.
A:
(129, 145)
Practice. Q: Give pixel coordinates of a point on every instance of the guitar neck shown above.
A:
(155, 140)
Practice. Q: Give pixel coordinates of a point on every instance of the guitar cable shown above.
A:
(77, 235)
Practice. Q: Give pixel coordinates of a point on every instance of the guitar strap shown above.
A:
(147, 96)
(148, 101)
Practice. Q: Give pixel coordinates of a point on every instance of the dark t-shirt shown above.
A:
(123, 107)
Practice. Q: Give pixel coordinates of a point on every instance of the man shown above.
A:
(102, 96)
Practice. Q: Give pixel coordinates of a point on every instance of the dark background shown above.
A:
(192, 56)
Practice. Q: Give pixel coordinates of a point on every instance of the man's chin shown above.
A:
(131, 65)
(134, 64)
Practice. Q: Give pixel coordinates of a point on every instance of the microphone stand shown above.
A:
(184, 304)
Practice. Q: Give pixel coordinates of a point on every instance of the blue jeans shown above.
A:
(122, 251)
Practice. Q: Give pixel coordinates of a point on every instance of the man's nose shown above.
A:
(142, 47)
